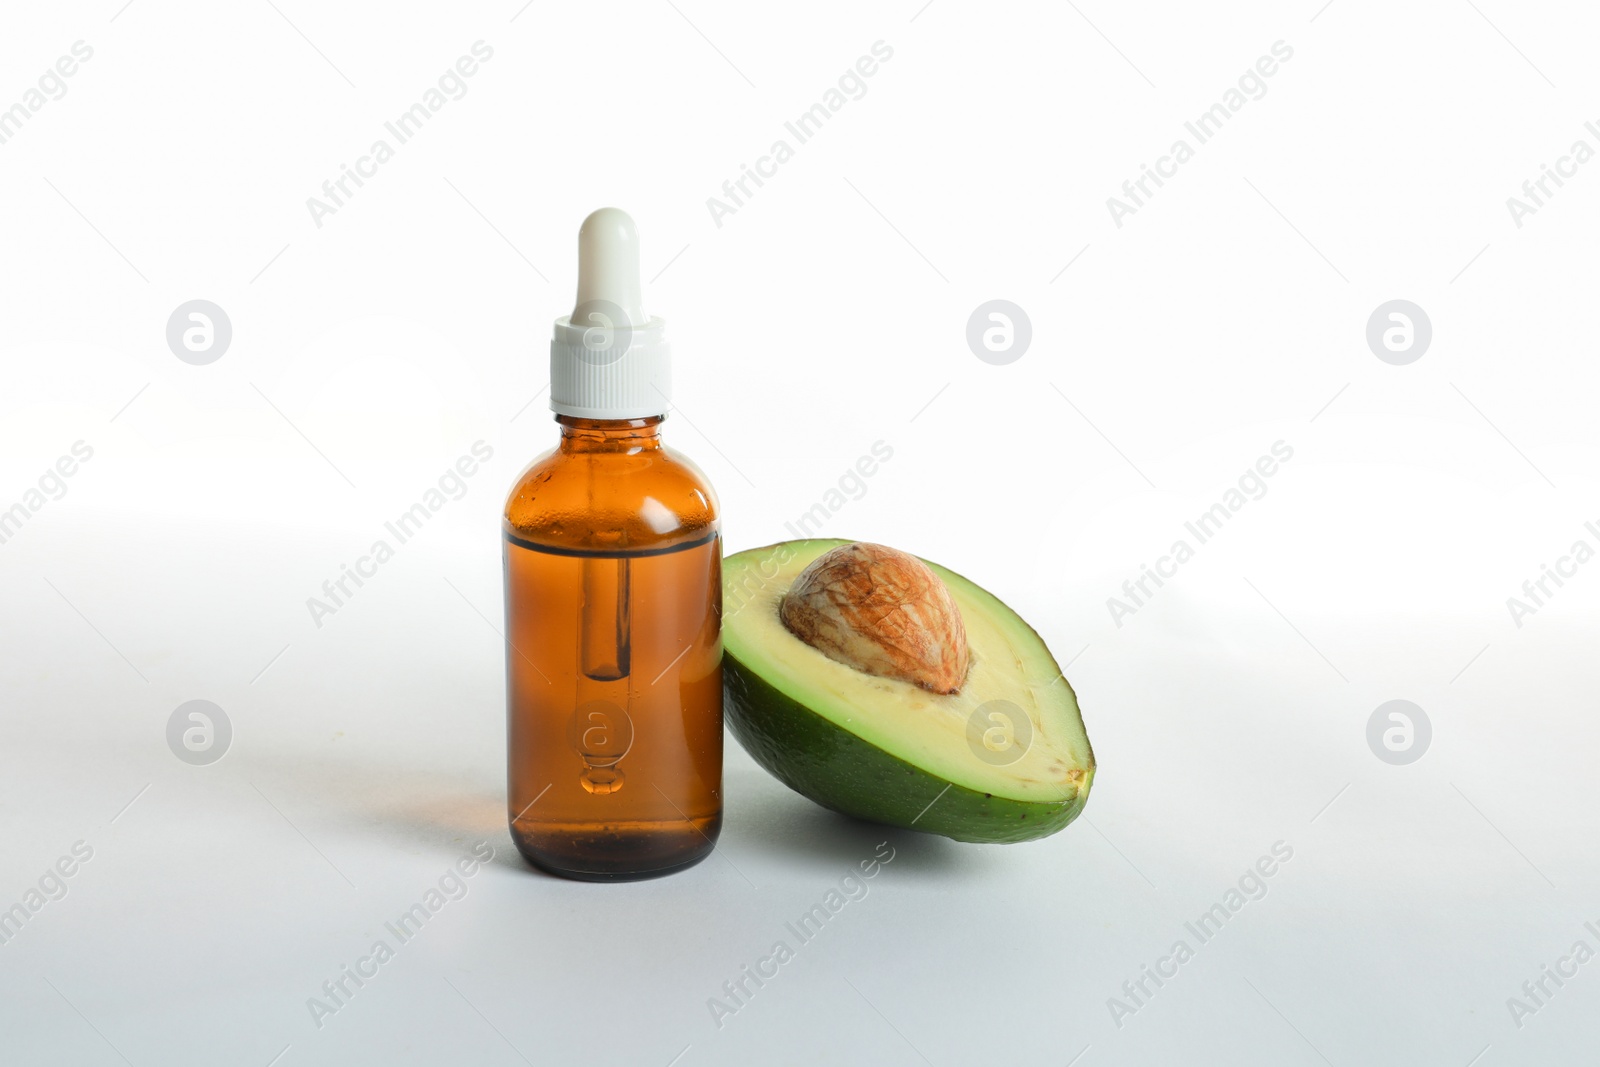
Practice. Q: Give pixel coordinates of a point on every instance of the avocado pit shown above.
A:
(882, 612)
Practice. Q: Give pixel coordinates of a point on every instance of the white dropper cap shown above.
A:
(608, 360)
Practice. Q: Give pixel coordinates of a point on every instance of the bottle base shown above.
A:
(617, 854)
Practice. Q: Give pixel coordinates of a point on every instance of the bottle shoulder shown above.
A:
(607, 500)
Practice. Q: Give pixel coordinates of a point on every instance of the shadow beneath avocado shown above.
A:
(767, 821)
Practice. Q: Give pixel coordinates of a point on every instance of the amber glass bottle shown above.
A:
(613, 561)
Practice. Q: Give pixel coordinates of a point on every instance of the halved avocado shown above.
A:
(1004, 759)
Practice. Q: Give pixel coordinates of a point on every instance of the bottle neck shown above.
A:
(610, 435)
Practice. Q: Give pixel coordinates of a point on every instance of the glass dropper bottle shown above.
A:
(613, 559)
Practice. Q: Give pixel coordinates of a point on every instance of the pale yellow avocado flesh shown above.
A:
(1009, 662)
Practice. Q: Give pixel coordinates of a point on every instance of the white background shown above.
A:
(829, 312)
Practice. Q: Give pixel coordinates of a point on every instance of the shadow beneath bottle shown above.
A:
(768, 830)
(446, 810)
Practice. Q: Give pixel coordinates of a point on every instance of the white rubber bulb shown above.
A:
(608, 267)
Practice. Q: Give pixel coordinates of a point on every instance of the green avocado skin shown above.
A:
(839, 770)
